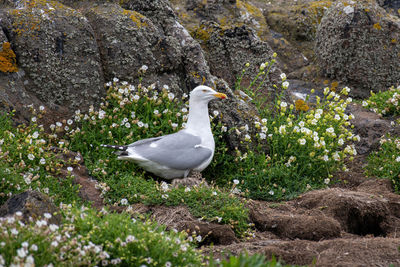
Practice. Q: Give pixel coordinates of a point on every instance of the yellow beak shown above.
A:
(220, 95)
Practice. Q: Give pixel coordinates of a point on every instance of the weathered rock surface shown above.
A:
(370, 127)
(358, 43)
(57, 51)
(33, 205)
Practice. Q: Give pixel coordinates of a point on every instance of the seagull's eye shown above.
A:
(204, 91)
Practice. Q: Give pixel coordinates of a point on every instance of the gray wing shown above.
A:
(177, 151)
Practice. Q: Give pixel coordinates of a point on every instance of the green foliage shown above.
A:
(385, 103)
(244, 260)
(385, 163)
(27, 163)
(89, 238)
(132, 113)
(307, 143)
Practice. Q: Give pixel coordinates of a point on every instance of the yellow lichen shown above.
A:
(136, 17)
(8, 62)
(256, 13)
(317, 10)
(202, 33)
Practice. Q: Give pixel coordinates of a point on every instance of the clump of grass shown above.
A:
(90, 238)
(307, 142)
(385, 163)
(26, 161)
(385, 103)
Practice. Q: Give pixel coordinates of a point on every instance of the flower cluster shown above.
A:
(27, 159)
(39, 242)
(306, 141)
(385, 103)
(385, 163)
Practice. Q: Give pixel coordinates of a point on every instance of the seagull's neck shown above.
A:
(198, 121)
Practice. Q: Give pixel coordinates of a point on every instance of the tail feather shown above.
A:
(120, 148)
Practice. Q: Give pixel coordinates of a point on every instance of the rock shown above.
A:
(127, 40)
(56, 48)
(229, 49)
(358, 43)
(297, 21)
(369, 126)
(391, 6)
(33, 205)
(358, 212)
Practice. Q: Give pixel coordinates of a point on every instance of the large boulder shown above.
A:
(56, 53)
(358, 43)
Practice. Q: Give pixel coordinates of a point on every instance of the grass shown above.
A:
(385, 162)
(27, 163)
(89, 238)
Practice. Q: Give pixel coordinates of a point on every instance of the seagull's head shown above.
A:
(204, 93)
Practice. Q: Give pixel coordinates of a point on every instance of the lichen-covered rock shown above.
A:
(391, 6)
(358, 43)
(228, 50)
(205, 19)
(33, 205)
(127, 40)
(56, 48)
(297, 21)
(226, 13)
(293, 28)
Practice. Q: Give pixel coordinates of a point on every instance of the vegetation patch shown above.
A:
(385, 103)
(307, 142)
(90, 238)
(27, 163)
(385, 163)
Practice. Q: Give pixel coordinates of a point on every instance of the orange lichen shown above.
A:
(334, 85)
(29, 19)
(8, 62)
(377, 26)
(301, 105)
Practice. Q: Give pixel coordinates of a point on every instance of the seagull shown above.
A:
(176, 155)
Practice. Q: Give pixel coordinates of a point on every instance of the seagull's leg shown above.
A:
(194, 179)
